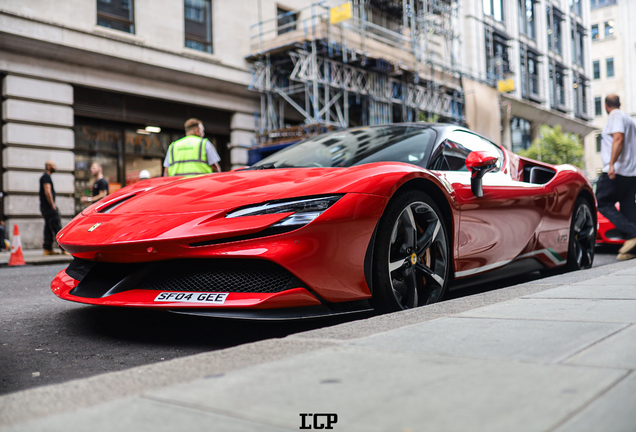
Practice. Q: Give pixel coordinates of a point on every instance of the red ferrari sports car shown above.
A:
(385, 217)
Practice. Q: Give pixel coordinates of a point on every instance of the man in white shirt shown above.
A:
(617, 183)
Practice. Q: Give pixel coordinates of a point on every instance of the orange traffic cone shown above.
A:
(16, 248)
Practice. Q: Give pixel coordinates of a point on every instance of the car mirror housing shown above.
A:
(479, 163)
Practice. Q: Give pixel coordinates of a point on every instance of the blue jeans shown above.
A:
(621, 190)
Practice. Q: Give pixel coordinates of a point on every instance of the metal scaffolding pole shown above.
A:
(325, 77)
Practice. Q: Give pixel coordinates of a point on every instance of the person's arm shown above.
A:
(166, 162)
(100, 195)
(212, 155)
(49, 195)
(617, 148)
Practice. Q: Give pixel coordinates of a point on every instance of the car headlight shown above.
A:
(304, 210)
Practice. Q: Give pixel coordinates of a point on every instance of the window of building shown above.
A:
(609, 66)
(520, 134)
(116, 14)
(386, 17)
(557, 86)
(494, 8)
(580, 89)
(497, 60)
(121, 150)
(594, 4)
(573, 39)
(596, 69)
(578, 39)
(599, 140)
(529, 74)
(575, 6)
(554, 21)
(526, 18)
(595, 35)
(198, 25)
(609, 28)
(598, 106)
(287, 21)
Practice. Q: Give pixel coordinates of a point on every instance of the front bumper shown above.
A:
(326, 258)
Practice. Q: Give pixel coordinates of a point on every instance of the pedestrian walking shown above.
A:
(192, 154)
(100, 187)
(50, 212)
(617, 182)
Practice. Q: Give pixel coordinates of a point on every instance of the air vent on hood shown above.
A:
(113, 205)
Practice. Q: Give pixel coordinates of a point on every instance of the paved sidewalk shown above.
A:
(36, 257)
(557, 354)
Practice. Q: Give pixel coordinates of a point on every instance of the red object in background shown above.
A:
(148, 244)
(607, 232)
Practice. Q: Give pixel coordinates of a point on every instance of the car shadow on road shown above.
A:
(160, 328)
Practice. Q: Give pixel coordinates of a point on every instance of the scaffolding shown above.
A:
(394, 60)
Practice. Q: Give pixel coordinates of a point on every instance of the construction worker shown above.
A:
(193, 154)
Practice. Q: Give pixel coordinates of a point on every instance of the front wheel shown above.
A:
(582, 236)
(412, 254)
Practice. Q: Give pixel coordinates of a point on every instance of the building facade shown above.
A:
(541, 50)
(113, 81)
(613, 61)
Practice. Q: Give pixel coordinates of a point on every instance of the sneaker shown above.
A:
(50, 252)
(625, 256)
(628, 246)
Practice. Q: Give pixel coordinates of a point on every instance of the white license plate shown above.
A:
(189, 297)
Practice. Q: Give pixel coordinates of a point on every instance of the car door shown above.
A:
(501, 225)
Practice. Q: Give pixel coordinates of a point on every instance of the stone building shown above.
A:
(113, 81)
(541, 48)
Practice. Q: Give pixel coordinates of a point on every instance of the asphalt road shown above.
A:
(45, 340)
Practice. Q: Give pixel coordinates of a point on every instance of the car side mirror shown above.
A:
(479, 163)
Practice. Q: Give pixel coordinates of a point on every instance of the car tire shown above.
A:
(412, 254)
(582, 236)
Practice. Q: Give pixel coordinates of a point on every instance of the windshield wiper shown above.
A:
(262, 167)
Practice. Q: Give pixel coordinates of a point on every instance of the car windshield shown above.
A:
(388, 143)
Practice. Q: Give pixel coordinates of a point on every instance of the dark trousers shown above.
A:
(621, 190)
(2, 237)
(52, 224)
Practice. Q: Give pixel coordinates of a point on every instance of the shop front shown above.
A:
(127, 134)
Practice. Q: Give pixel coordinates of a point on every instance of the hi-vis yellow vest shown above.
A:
(187, 157)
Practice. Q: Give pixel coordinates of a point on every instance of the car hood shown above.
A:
(227, 191)
(195, 208)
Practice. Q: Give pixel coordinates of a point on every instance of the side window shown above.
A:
(452, 153)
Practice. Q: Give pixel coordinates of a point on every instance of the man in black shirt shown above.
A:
(100, 187)
(52, 222)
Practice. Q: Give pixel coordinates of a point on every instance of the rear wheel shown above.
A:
(412, 254)
(582, 236)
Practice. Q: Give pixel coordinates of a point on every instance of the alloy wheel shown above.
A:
(418, 256)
